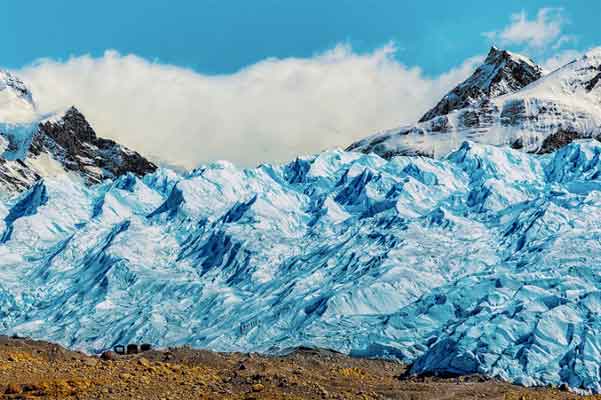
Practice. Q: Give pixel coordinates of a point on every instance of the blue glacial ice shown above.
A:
(486, 261)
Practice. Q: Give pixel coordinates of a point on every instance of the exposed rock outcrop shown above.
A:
(502, 72)
(507, 101)
(31, 146)
(72, 140)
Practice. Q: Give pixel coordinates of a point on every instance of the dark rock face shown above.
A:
(513, 112)
(15, 176)
(483, 116)
(70, 141)
(558, 140)
(73, 142)
(501, 73)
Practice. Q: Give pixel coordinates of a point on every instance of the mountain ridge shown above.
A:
(32, 145)
(502, 72)
(557, 107)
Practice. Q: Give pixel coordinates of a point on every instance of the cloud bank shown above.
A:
(268, 112)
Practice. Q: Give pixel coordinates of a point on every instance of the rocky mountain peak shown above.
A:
(506, 102)
(30, 143)
(502, 72)
(75, 128)
(494, 54)
(74, 142)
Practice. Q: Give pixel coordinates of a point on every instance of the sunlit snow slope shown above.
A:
(507, 101)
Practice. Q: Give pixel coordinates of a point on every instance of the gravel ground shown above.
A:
(39, 370)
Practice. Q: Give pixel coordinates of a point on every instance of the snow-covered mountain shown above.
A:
(482, 260)
(502, 72)
(507, 101)
(33, 146)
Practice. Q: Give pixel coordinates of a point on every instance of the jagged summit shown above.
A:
(72, 140)
(507, 101)
(33, 146)
(502, 72)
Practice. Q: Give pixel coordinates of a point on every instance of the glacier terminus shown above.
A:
(466, 243)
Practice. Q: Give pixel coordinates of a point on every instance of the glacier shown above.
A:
(484, 261)
(480, 259)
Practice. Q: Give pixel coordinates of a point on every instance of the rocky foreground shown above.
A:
(32, 369)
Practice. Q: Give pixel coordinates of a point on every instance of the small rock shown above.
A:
(12, 388)
(27, 388)
(109, 356)
(258, 387)
(322, 391)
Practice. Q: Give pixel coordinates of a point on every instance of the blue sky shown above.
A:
(190, 82)
(221, 36)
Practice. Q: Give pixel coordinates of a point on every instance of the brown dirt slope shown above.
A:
(39, 370)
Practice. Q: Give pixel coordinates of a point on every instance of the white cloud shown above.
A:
(269, 111)
(544, 30)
